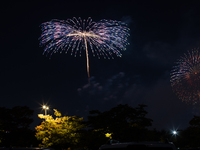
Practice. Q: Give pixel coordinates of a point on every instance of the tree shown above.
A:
(15, 125)
(62, 132)
(17, 117)
(192, 134)
(195, 122)
(124, 122)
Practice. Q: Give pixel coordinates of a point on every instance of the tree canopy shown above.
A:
(191, 135)
(61, 131)
(14, 126)
(123, 122)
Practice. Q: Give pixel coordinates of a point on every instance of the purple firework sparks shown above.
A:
(103, 38)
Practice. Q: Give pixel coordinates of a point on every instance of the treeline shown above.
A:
(14, 127)
(121, 123)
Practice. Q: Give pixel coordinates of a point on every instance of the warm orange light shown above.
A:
(45, 108)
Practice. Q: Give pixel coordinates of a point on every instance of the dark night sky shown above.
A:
(161, 32)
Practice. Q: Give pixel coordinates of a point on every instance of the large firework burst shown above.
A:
(185, 77)
(103, 38)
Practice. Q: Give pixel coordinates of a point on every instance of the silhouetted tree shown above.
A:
(191, 135)
(14, 124)
(123, 122)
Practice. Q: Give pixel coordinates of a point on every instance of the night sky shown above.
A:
(160, 32)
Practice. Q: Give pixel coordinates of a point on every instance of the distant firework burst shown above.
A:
(185, 77)
(103, 38)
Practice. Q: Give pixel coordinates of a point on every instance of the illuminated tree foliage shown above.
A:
(185, 77)
(63, 131)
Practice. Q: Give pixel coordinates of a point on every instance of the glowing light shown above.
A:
(108, 135)
(45, 108)
(103, 38)
(174, 133)
(185, 77)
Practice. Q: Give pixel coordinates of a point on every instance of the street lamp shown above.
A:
(45, 108)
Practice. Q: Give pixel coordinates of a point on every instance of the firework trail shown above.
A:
(103, 38)
(185, 77)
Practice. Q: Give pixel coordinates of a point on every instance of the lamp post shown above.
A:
(174, 136)
(45, 112)
(45, 109)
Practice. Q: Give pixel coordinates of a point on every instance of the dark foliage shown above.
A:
(124, 122)
(14, 126)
